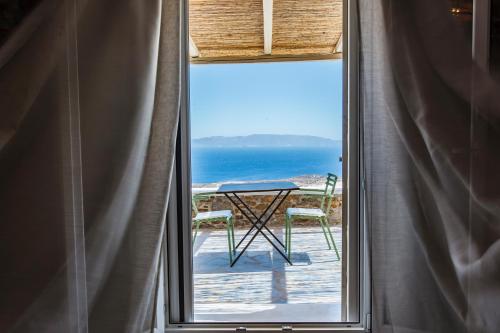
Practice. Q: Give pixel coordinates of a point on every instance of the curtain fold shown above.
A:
(90, 94)
(431, 148)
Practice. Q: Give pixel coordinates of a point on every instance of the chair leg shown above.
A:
(331, 238)
(286, 232)
(196, 230)
(231, 219)
(229, 242)
(289, 236)
(324, 233)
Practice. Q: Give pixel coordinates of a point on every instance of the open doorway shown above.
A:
(267, 134)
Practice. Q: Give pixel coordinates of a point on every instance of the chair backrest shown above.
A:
(200, 196)
(194, 201)
(326, 201)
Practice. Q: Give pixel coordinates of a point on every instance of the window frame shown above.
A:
(178, 289)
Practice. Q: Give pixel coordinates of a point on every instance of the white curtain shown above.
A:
(89, 102)
(431, 122)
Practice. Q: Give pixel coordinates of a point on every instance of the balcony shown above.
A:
(262, 286)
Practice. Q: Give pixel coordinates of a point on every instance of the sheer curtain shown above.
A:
(89, 94)
(432, 155)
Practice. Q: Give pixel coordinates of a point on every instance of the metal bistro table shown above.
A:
(259, 222)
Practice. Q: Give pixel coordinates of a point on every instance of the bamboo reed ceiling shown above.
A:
(233, 30)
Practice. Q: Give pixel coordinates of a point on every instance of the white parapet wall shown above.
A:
(303, 189)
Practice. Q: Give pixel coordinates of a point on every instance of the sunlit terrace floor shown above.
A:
(262, 286)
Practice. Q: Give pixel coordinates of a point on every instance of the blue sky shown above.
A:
(302, 98)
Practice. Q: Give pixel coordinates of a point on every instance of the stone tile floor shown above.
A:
(262, 286)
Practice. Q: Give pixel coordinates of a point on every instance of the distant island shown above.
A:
(265, 140)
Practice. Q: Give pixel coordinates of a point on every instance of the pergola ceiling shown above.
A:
(236, 30)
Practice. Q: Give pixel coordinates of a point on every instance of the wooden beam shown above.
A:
(267, 7)
(338, 47)
(265, 58)
(193, 50)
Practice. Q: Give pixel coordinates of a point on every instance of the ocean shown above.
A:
(217, 164)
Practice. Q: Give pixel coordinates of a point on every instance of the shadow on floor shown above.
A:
(250, 261)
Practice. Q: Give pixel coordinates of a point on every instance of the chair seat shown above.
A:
(216, 214)
(309, 212)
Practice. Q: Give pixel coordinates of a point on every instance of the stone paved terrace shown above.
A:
(261, 286)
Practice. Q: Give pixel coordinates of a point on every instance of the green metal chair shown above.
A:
(214, 216)
(319, 214)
